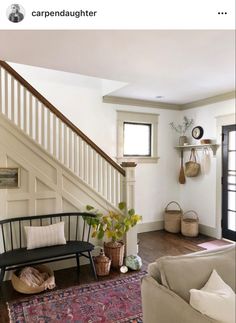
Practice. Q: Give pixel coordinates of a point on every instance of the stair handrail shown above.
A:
(60, 115)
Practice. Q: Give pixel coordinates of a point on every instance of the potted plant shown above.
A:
(182, 129)
(113, 225)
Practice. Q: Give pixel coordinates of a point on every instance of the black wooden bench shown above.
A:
(14, 255)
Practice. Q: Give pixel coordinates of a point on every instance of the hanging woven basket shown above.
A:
(172, 218)
(190, 224)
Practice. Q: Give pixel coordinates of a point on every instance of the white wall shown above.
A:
(156, 183)
(80, 99)
(199, 193)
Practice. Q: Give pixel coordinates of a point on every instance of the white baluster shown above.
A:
(121, 188)
(85, 161)
(60, 139)
(25, 109)
(18, 105)
(48, 134)
(95, 173)
(81, 164)
(104, 174)
(65, 146)
(70, 148)
(37, 113)
(99, 174)
(42, 125)
(75, 153)
(90, 166)
(30, 115)
(108, 182)
(6, 94)
(54, 135)
(12, 100)
(112, 185)
(117, 188)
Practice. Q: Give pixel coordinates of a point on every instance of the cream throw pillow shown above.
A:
(44, 236)
(216, 299)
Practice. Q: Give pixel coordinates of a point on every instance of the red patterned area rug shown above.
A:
(117, 300)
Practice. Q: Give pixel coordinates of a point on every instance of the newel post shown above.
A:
(129, 199)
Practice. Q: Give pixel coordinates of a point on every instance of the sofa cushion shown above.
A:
(216, 299)
(182, 273)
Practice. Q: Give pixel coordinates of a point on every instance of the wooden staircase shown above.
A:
(46, 125)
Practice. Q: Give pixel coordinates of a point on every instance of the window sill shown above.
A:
(140, 160)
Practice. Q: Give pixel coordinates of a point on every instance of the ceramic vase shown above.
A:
(183, 140)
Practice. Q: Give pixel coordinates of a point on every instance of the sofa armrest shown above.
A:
(161, 305)
(154, 271)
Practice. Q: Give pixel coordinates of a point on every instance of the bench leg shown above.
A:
(78, 262)
(2, 273)
(92, 265)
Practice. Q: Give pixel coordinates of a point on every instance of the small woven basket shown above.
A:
(172, 218)
(23, 288)
(115, 251)
(190, 224)
(102, 264)
(205, 141)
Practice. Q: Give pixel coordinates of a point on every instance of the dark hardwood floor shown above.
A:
(155, 244)
(152, 245)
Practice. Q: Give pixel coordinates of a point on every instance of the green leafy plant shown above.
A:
(113, 224)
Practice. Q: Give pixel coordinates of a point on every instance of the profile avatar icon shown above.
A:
(15, 13)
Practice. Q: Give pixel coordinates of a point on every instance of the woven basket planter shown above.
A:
(115, 251)
(190, 224)
(172, 218)
(23, 288)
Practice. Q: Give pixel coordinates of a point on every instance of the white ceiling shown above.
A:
(182, 66)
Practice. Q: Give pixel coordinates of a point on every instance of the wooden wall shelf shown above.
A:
(212, 146)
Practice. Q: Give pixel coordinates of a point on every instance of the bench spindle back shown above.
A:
(76, 228)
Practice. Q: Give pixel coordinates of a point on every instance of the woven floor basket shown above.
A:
(190, 224)
(172, 218)
(23, 288)
(115, 251)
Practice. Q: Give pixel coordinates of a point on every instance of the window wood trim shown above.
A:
(137, 117)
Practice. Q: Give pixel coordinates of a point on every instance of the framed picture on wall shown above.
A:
(9, 177)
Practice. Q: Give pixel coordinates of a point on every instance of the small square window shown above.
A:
(137, 139)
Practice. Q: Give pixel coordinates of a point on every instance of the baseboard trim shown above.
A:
(159, 225)
(208, 231)
(150, 226)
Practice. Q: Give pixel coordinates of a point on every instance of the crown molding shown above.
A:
(169, 106)
(140, 103)
(210, 100)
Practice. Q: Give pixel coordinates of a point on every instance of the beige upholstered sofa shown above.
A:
(165, 290)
